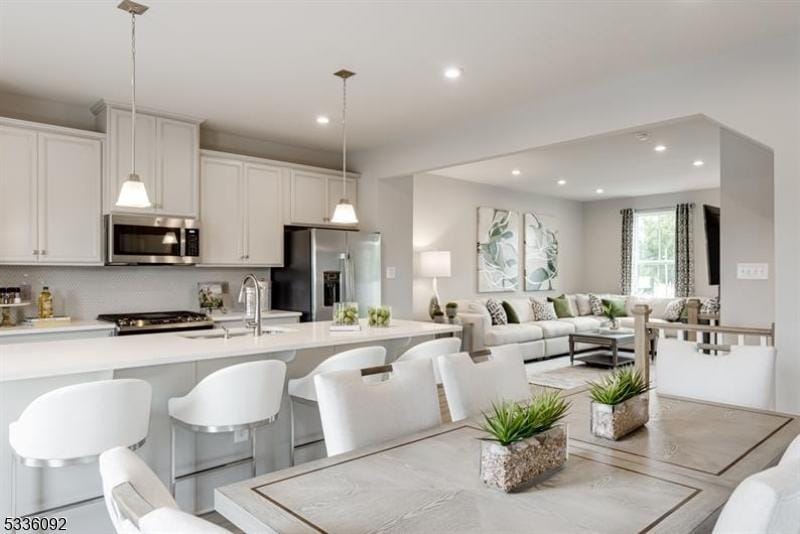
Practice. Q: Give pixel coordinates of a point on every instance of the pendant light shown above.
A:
(344, 213)
(133, 193)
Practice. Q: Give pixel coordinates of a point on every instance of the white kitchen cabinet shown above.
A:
(167, 154)
(70, 221)
(314, 195)
(221, 239)
(54, 176)
(263, 215)
(18, 191)
(241, 212)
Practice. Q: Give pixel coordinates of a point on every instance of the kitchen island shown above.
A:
(173, 363)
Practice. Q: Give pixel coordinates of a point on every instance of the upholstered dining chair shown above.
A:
(745, 376)
(356, 413)
(137, 501)
(432, 350)
(472, 388)
(302, 390)
(764, 503)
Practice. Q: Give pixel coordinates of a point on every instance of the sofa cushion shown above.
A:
(584, 307)
(512, 333)
(674, 309)
(543, 310)
(474, 306)
(556, 328)
(561, 306)
(615, 306)
(511, 315)
(584, 324)
(523, 309)
(658, 305)
(497, 312)
(596, 304)
(628, 322)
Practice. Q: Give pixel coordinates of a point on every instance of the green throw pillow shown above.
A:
(617, 306)
(510, 313)
(561, 305)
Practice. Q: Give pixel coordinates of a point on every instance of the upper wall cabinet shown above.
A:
(314, 195)
(241, 211)
(167, 159)
(51, 178)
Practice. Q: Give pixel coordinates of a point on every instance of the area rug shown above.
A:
(569, 377)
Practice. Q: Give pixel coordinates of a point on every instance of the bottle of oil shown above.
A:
(45, 303)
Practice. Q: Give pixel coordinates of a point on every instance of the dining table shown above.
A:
(673, 475)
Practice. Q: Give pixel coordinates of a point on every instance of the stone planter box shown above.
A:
(614, 422)
(523, 463)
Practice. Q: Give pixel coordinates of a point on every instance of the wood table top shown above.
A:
(672, 476)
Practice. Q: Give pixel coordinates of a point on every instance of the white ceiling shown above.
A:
(264, 69)
(619, 163)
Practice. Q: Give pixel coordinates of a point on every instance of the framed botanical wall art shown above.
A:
(498, 250)
(541, 252)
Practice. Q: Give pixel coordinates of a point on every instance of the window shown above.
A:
(654, 253)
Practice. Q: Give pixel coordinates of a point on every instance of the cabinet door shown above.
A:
(308, 198)
(18, 218)
(119, 157)
(69, 199)
(335, 194)
(177, 146)
(221, 212)
(263, 215)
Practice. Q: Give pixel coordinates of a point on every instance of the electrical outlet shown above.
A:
(391, 273)
(752, 271)
(243, 434)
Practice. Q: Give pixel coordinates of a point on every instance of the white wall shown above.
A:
(445, 218)
(746, 229)
(602, 237)
(753, 90)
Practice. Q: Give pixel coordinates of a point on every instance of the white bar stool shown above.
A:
(239, 397)
(302, 390)
(75, 424)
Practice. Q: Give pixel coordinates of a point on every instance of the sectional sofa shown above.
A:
(542, 339)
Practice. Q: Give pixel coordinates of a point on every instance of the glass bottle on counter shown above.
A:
(45, 303)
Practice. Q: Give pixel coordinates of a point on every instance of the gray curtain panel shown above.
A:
(626, 265)
(684, 250)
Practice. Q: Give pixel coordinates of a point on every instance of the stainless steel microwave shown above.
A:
(151, 239)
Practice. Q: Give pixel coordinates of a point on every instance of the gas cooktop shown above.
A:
(162, 321)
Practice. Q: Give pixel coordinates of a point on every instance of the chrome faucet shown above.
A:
(256, 323)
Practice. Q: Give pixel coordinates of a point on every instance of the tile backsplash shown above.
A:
(85, 292)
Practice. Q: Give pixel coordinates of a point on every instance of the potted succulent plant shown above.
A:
(379, 316)
(525, 444)
(620, 404)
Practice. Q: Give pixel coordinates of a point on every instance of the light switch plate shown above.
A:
(243, 434)
(752, 271)
(391, 273)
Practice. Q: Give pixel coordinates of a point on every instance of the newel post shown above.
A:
(692, 317)
(641, 314)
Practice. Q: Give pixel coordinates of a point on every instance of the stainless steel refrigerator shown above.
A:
(322, 267)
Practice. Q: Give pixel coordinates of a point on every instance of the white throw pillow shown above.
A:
(584, 307)
(543, 310)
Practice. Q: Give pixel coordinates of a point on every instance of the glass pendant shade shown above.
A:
(133, 194)
(344, 213)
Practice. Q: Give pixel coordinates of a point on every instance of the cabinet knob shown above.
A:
(326, 219)
(43, 252)
(35, 252)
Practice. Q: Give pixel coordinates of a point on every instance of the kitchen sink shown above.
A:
(236, 332)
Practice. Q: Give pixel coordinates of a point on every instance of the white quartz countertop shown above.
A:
(238, 315)
(54, 358)
(73, 326)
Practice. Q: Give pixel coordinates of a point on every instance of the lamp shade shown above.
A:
(434, 263)
(133, 194)
(344, 213)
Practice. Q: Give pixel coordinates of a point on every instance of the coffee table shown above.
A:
(611, 340)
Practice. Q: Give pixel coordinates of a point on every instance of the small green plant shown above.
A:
(618, 387)
(510, 422)
(609, 312)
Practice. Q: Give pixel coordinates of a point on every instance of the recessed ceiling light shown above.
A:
(659, 148)
(516, 172)
(323, 119)
(698, 163)
(453, 73)
(599, 191)
(562, 182)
